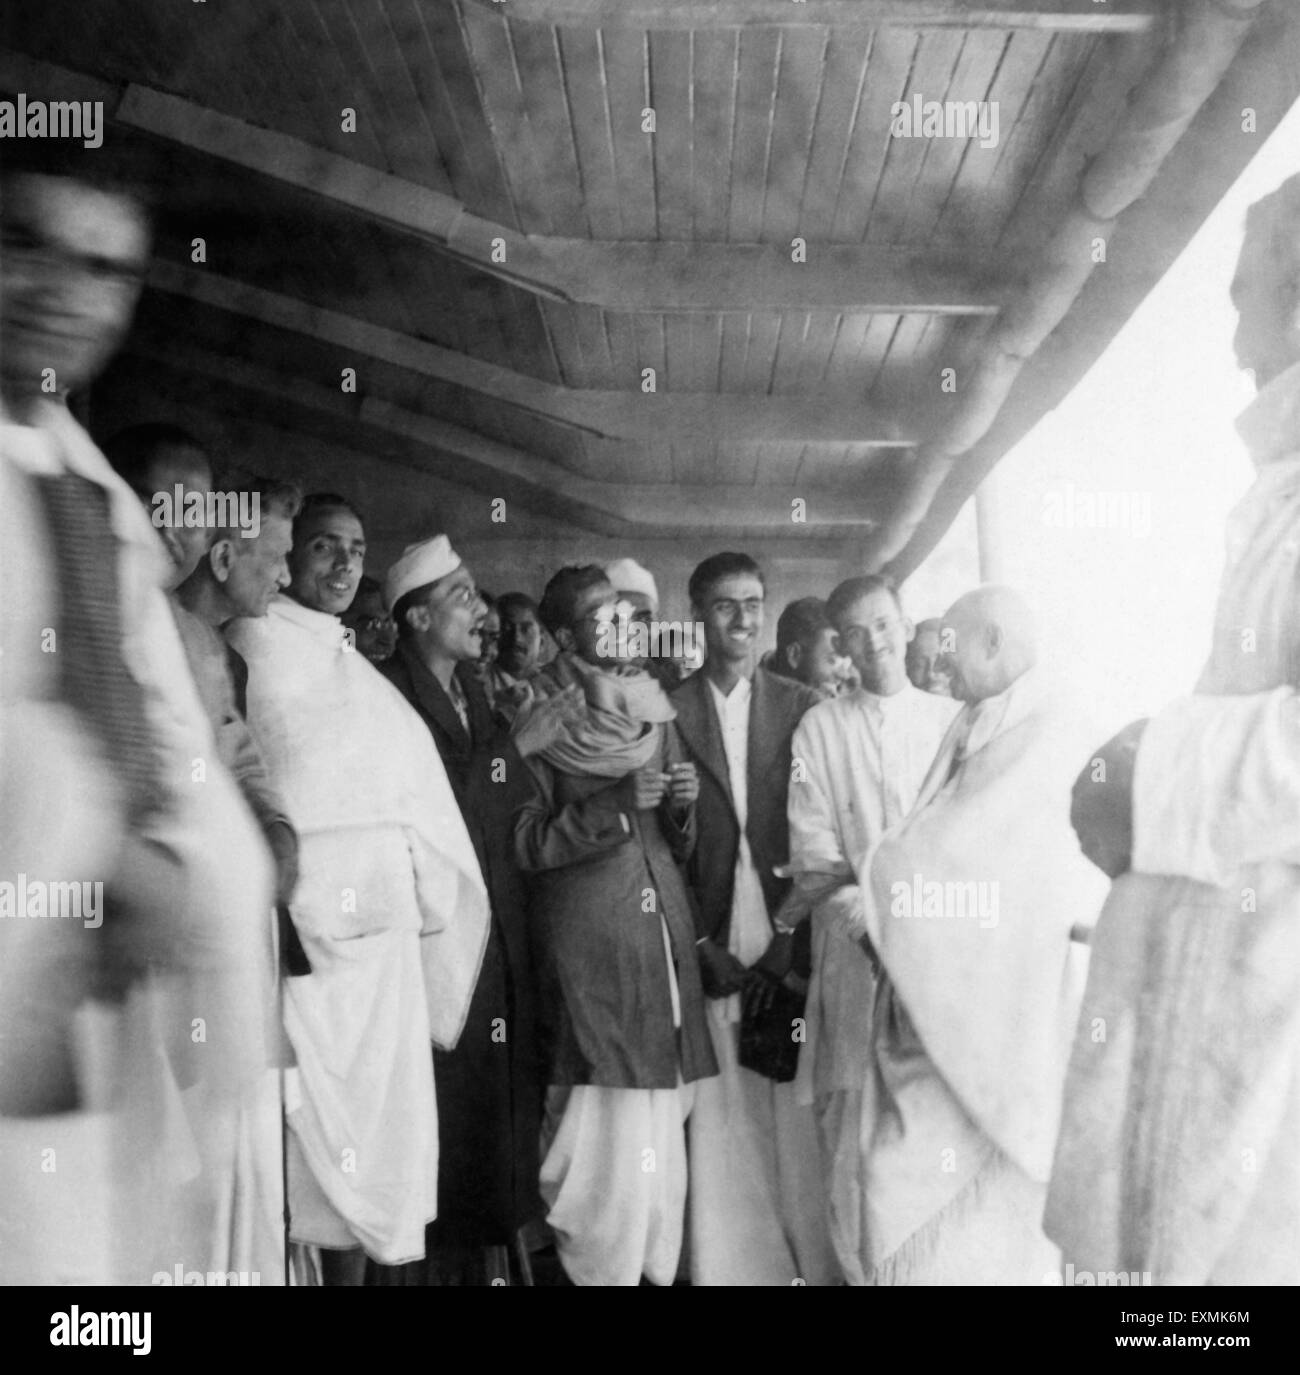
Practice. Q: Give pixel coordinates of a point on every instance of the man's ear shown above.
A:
(909, 629)
(417, 617)
(995, 637)
(793, 656)
(221, 559)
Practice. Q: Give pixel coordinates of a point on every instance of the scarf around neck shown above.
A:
(617, 735)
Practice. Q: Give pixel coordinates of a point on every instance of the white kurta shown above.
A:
(139, 1171)
(970, 903)
(860, 760)
(392, 912)
(1177, 1158)
(758, 1204)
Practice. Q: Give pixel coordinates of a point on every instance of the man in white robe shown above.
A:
(1178, 1160)
(972, 902)
(859, 761)
(390, 906)
(108, 1172)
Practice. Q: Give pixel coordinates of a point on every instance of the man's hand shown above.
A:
(720, 971)
(549, 721)
(683, 786)
(644, 790)
(284, 847)
(1101, 806)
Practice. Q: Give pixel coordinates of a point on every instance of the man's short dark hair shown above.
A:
(719, 566)
(560, 599)
(322, 501)
(800, 624)
(515, 601)
(852, 590)
(134, 451)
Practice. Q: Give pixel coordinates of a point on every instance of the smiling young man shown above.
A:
(863, 757)
(758, 1213)
(390, 907)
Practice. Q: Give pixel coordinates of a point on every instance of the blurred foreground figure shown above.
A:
(390, 907)
(925, 659)
(134, 887)
(1178, 1157)
(971, 902)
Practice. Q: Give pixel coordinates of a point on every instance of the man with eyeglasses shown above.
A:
(612, 818)
(372, 627)
(860, 760)
(489, 1087)
(758, 1214)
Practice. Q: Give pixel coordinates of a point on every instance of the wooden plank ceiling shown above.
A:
(481, 126)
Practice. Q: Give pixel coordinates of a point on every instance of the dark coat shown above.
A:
(489, 1092)
(607, 1002)
(775, 709)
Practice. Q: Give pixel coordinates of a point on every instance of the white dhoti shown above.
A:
(614, 1180)
(758, 1202)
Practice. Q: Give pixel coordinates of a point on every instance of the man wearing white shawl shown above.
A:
(390, 906)
(1177, 1160)
(970, 906)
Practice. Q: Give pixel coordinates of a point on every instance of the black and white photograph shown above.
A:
(649, 643)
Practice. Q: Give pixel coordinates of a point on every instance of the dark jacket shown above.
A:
(606, 996)
(775, 709)
(489, 1090)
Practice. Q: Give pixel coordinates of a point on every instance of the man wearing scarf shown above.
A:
(1177, 1160)
(626, 1036)
(970, 907)
(390, 907)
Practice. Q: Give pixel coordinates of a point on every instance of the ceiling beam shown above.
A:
(631, 414)
(624, 276)
(615, 508)
(635, 277)
(1069, 16)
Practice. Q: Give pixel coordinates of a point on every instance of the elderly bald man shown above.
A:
(1177, 1161)
(970, 903)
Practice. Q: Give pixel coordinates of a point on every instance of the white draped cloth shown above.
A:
(1177, 1158)
(393, 915)
(970, 906)
(140, 1177)
(859, 761)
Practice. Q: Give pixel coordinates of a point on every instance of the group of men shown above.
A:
(761, 974)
